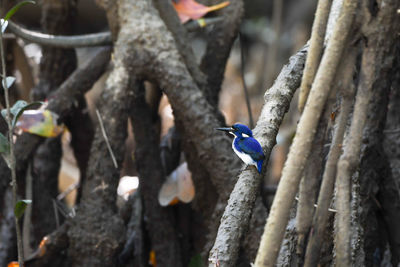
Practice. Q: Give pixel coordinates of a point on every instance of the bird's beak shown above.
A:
(230, 129)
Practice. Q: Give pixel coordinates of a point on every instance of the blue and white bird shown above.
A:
(245, 145)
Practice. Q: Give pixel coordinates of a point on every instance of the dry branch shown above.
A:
(347, 164)
(241, 202)
(316, 46)
(300, 149)
(328, 178)
(375, 61)
(310, 182)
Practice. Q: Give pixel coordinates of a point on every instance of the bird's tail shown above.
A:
(259, 165)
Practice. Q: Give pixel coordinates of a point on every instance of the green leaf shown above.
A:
(8, 82)
(196, 261)
(21, 109)
(4, 144)
(12, 11)
(20, 207)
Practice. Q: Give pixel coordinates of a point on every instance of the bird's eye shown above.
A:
(245, 135)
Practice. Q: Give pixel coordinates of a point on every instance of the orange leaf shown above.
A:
(190, 9)
(13, 264)
(152, 258)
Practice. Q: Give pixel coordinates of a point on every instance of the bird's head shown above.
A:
(238, 130)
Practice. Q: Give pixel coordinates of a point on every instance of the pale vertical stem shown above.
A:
(349, 160)
(11, 160)
(300, 149)
(328, 179)
(316, 47)
(309, 184)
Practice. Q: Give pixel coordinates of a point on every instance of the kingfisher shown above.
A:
(245, 145)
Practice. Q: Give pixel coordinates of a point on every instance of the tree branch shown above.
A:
(300, 149)
(97, 232)
(241, 202)
(377, 28)
(220, 40)
(159, 223)
(328, 179)
(316, 47)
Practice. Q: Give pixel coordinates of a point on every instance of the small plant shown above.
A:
(11, 115)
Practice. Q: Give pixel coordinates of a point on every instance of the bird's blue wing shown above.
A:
(251, 147)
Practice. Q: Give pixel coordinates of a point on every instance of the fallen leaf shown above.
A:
(13, 264)
(178, 186)
(40, 122)
(190, 9)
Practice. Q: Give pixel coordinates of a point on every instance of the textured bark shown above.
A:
(46, 164)
(55, 66)
(390, 187)
(220, 40)
(160, 223)
(316, 47)
(241, 202)
(135, 252)
(150, 50)
(49, 254)
(169, 15)
(309, 184)
(300, 149)
(321, 217)
(375, 80)
(8, 244)
(97, 232)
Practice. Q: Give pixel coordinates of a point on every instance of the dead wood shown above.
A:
(300, 149)
(241, 202)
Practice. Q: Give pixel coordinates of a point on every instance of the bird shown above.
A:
(245, 145)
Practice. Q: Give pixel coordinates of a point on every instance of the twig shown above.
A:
(103, 131)
(26, 225)
(316, 46)
(56, 213)
(11, 160)
(300, 149)
(328, 178)
(246, 91)
(67, 191)
(237, 213)
(316, 206)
